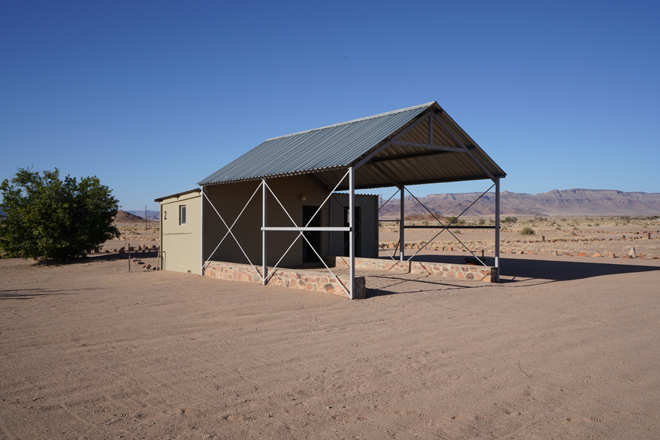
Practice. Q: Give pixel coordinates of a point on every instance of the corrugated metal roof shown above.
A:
(325, 151)
(179, 194)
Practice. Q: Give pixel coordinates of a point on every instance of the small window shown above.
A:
(182, 214)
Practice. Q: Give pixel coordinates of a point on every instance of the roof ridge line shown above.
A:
(380, 115)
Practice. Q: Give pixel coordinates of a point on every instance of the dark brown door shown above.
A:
(314, 237)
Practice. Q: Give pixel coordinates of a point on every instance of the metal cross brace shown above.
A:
(301, 233)
(229, 230)
(446, 227)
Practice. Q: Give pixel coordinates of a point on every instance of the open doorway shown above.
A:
(314, 237)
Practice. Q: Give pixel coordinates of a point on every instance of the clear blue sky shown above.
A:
(152, 96)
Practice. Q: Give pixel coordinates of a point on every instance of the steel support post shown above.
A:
(264, 220)
(201, 244)
(351, 233)
(497, 227)
(402, 225)
(330, 237)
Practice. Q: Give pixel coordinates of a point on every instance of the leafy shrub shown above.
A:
(527, 231)
(53, 219)
(454, 221)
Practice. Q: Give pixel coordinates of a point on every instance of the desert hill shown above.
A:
(127, 217)
(556, 202)
(151, 215)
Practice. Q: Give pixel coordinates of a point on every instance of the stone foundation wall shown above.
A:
(291, 278)
(459, 271)
(317, 281)
(371, 264)
(232, 272)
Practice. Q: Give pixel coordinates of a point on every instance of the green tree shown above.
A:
(53, 219)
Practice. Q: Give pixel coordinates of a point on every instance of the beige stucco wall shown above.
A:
(181, 244)
(293, 192)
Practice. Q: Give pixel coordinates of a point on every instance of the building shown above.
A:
(291, 200)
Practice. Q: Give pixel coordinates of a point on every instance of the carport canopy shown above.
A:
(414, 145)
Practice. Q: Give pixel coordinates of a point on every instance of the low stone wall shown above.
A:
(317, 281)
(232, 272)
(371, 264)
(291, 278)
(459, 271)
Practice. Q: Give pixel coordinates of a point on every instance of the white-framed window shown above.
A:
(182, 214)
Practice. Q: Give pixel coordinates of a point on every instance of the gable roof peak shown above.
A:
(366, 118)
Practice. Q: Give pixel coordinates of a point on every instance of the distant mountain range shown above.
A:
(151, 215)
(556, 202)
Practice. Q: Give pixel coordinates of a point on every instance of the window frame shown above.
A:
(182, 215)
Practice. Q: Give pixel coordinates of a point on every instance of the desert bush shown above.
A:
(510, 219)
(527, 231)
(454, 221)
(51, 219)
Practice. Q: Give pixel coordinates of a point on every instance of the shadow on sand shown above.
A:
(104, 257)
(22, 294)
(567, 270)
(399, 285)
(550, 269)
(518, 269)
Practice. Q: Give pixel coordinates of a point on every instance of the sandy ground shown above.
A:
(551, 242)
(562, 348)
